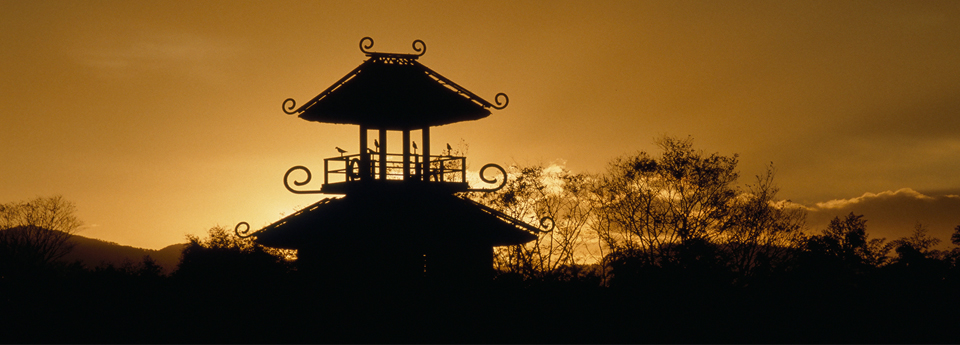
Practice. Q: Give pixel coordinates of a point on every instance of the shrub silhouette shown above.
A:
(224, 258)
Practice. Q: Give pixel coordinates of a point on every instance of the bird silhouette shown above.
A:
(414, 147)
(377, 144)
(342, 151)
(449, 148)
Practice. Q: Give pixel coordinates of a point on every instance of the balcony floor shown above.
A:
(393, 186)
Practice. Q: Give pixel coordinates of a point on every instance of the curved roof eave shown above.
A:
(349, 217)
(394, 91)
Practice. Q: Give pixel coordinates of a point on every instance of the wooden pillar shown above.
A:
(406, 154)
(364, 168)
(426, 153)
(383, 154)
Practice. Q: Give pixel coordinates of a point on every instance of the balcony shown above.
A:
(344, 173)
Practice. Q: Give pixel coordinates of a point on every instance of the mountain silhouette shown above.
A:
(93, 252)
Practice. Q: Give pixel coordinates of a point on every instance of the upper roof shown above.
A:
(394, 92)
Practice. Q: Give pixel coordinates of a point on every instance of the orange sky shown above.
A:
(160, 119)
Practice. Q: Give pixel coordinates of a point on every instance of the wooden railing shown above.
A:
(435, 168)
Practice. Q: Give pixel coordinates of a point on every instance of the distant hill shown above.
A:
(93, 252)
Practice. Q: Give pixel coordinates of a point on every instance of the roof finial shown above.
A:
(364, 48)
(423, 47)
(496, 99)
(289, 108)
(418, 46)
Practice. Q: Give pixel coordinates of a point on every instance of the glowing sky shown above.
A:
(163, 118)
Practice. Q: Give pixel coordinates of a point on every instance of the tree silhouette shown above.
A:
(918, 246)
(917, 263)
(762, 230)
(35, 233)
(955, 237)
(667, 211)
(846, 241)
(535, 192)
(952, 258)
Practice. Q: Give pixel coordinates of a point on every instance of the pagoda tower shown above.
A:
(399, 218)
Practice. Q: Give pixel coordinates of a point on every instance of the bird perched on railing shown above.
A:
(449, 150)
(414, 147)
(342, 151)
(376, 143)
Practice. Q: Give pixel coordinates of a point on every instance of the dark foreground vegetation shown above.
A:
(231, 296)
(659, 249)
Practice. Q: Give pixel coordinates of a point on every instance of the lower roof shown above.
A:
(425, 218)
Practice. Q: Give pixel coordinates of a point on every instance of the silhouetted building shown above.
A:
(399, 218)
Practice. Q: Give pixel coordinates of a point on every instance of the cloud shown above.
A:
(843, 203)
(893, 214)
(165, 52)
(791, 205)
